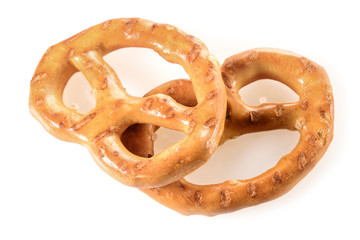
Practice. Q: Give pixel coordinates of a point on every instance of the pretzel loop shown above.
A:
(303, 76)
(116, 110)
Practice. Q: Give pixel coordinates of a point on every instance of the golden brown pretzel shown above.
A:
(312, 116)
(116, 110)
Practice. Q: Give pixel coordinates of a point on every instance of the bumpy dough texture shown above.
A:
(312, 116)
(116, 110)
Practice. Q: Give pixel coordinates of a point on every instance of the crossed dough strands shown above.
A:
(116, 110)
(312, 116)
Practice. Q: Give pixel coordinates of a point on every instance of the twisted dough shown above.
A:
(116, 110)
(312, 116)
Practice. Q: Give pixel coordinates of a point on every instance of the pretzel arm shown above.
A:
(270, 116)
(163, 111)
(100, 75)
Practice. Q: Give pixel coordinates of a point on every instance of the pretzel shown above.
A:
(312, 116)
(116, 110)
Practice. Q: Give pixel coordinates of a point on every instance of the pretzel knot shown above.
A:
(116, 110)
(312, 116)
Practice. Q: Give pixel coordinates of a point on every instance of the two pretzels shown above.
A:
(208, 109)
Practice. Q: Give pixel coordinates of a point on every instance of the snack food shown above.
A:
(116, 110)
(119, 131)
(312, 116)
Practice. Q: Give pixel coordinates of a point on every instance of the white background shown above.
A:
(51, 189)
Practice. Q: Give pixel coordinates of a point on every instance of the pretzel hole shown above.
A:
(165, 138)
(138, 141)
(140, 69)
(77, 94)
(245, 157)
(267, 91)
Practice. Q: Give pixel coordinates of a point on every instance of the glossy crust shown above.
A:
(312, 117)
(116, 110)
